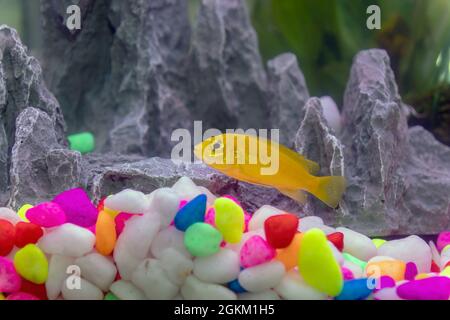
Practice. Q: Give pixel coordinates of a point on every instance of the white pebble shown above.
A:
(195, 289)
(126, 262)
(165, 202)
(309, 222)
(387, 294)
(97, 269)
(151, 278)
(176, 265)
(129, 201)
(86, 291)
(293, 287)
(337, 254)
(186, 188)
(9, 215)
(220, 268)
(262, 277)
(265, 295)
(125, 290)
(167, 238)
(409, 249)
(380, 258)
(57, 274)
(357, 244)
(354, 268)
(67, 240)
(261, 215)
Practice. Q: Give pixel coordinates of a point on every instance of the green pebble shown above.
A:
(350, 258)
(111, 296)
(378, 242)
(83, 142)
(202, 239)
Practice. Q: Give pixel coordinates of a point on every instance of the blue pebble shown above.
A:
(192, 212)
(235, 286)
(355, 289)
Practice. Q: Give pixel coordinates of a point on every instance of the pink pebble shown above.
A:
(433, 288)
(247, 218)
(120, 220)
(182, 203)
(21, 296)
(10, 280)
(443, 240)
(410, 271)
(347, 273)
(384, 282)
(210, 217)
(78, 207)
(47, 215)
(256, 251)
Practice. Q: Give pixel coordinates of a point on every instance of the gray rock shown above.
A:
(288, 94)
(35, 136)
(318, 142)
(21, 86)
(391, 191)
(150, 174)
(64, 169)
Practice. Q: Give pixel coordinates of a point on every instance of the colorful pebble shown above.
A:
(31, 263)
(289, 256)
(26, 233)
(280, 230)
(432, 288)
(105, 233)
(202, 239)
(23, 211)
(356, 289)
(10, 280)
(7, 236)
(229, 219)
(47, 215)
(317, 264)
(83, 142)
(191, 213)
(256, 251)
(78, 207)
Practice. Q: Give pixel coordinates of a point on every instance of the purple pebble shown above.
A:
(385, 282)
(410, 271)
(78, 207)
(433, 288)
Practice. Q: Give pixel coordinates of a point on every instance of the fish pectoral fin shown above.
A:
(297, 195)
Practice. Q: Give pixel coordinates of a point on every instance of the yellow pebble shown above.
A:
(2, 297)
(378, 242)
(446, 248)
(229, 219)
(446, 272)
(112, 213)
(31, 263)
(317, 265)
(22, 212)
(422, 276)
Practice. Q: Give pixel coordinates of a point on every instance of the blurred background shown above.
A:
(325, 35)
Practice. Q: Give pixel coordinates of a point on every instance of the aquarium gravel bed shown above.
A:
(183, 242)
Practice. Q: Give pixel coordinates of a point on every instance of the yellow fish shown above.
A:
(264, 162)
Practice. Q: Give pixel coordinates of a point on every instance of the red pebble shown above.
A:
(37, 290)
(101, 204)
(280, 230)
(27, 233)
(6, 237)
(435, 267)
(337, 238)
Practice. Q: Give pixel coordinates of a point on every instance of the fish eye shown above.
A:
(216, 146)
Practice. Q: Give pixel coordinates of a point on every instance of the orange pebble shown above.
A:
(105, 231)
(392, 268)
(289, 255)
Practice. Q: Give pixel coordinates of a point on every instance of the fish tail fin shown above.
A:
(330, 189)
(297, 195)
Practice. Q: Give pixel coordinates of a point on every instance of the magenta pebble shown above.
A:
(256, 251)
(443, 240)
(10, 280)
(385, 282)
(78, 207)
(410, 271)
(433, 288)
(210, 217)
(120, 220)
(347, 274)
(47, 215)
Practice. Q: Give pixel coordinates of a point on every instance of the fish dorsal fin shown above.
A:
(297, 195)
(311, 166)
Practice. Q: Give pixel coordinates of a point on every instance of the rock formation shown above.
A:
(136, 71)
